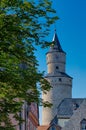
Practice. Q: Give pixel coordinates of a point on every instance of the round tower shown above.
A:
(61, 82)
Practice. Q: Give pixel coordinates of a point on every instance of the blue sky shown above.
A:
(71, 30)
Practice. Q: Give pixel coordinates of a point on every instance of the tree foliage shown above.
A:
(23, 25)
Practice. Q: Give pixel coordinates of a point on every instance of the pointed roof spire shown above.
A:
(57, 45)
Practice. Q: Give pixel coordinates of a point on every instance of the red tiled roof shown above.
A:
(43, 127)
(47, 127)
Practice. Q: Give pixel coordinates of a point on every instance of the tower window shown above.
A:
(57, 67)
(60, 79)
(56, 56)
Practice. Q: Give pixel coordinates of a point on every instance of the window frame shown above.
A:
(83, 124)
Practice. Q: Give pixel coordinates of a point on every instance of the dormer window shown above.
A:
(52, 128)
(75, 106)
(83, 124)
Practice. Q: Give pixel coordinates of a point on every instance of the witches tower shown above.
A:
(61, 82)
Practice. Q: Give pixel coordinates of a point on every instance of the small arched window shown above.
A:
(83, 124)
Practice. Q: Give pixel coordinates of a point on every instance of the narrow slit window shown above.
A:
(60, 79)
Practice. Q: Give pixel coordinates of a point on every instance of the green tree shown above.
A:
(23, 26)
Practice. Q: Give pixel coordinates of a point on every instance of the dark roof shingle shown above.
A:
(68, 106)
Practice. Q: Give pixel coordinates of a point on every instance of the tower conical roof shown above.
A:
(56, 46)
